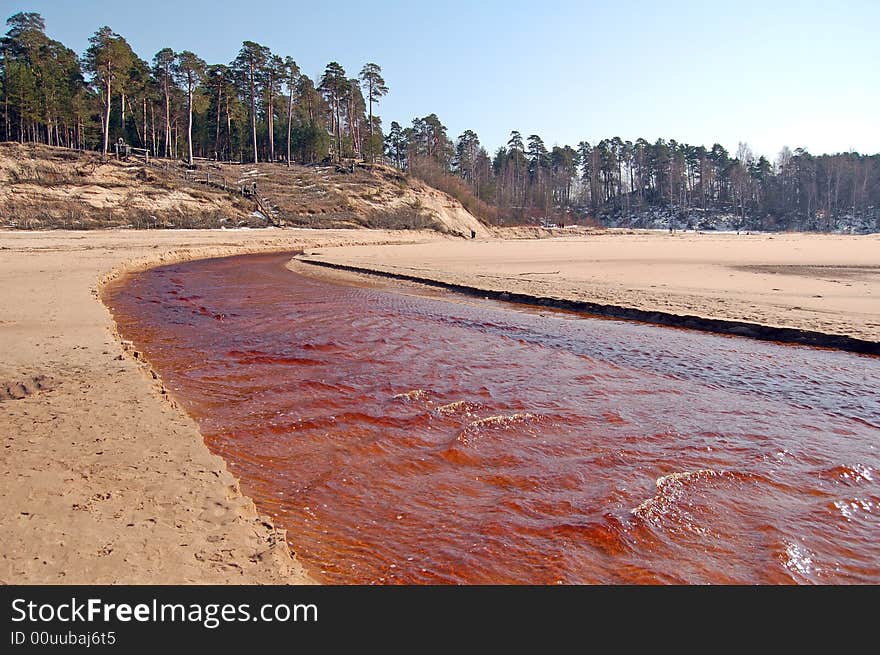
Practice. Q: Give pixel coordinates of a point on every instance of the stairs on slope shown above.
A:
(265, 206)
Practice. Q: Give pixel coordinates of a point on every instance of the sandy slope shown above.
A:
(45, 187)
(42, 187)
(825, 283)
(101, 479)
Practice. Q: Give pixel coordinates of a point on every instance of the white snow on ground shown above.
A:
(660, 218)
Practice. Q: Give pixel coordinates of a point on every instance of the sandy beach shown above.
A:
(823, 283)
(106, 480)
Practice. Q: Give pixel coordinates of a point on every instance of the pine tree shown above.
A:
(163, 64)
(291, 76)
(42, 84)
(310, 137)
(334, 85)
(189, 69)
(273, 76)
(355, 110)
(219, 85)
(108, 59)
(395, 145)
(467, 148)
(249, 66)
(374, 84)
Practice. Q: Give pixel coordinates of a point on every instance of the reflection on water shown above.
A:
(409, 439)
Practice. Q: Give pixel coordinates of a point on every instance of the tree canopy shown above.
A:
(180, 106)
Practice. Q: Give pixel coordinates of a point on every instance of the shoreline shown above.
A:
(817, 290)
(403, 355)
(105, 478)
(786, 335)
(276, 538)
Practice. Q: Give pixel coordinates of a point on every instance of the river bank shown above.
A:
(103, 479)
(827, 284)
(106, 481)
(405, 436)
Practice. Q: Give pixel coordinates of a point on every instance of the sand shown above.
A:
(105, 480)
(822, 283)
(102, 478)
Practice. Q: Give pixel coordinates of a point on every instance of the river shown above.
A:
(432, 439)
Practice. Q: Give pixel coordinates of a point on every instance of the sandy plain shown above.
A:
(823, 283)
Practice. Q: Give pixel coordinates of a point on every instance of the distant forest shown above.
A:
(262, 107)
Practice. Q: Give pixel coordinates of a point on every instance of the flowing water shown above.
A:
(407, 439)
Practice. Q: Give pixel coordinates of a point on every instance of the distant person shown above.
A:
(473, 234)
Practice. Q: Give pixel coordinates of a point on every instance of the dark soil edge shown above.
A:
(687, 321)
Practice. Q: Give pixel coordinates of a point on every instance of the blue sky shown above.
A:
(770, 73)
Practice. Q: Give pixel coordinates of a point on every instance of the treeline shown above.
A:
(616, 178)
(262, 107)
(258, 107)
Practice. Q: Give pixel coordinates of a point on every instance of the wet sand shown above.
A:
(103, 479)
(823, 283)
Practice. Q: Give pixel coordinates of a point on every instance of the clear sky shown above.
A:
(771, 73)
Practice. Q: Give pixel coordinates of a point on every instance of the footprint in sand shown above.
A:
(19, 389)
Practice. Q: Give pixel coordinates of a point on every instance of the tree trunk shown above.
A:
(270, 119)
(153, 129)
(370, 100)
(145, 143)
(5, 97)
(217, 130)
(254, 113)
(289, 118)
(189, 125)
(351, 124)
(167, 117)
(106, 143)
(228, 129)
(338, 132)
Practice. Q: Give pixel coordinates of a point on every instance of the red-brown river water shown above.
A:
(407, 439)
